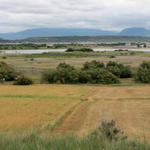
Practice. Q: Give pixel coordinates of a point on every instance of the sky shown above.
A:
(17, 15)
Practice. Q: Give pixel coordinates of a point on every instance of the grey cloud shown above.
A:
(101, 14)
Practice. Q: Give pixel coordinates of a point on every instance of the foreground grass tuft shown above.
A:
(91, 142)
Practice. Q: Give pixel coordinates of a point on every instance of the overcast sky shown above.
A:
(16, 15)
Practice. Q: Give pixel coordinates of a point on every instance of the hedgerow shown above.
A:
(66, 74)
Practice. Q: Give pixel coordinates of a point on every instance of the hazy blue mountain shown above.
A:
(51, 32)
(63, 32)
(3, 41)
(135, 32)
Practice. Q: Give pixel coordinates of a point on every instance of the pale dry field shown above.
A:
(129, 106)
(65, 109)
(27, 107)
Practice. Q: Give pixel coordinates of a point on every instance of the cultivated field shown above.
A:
(66, 109)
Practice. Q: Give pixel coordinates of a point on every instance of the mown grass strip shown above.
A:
(62, 118)
(39, 97)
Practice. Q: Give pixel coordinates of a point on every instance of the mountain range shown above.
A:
(59, 32)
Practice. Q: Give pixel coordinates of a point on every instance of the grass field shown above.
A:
(67, 109)
(61, 110)
(33, 65)
(23, 108)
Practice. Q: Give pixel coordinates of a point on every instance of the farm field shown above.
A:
(66, 109)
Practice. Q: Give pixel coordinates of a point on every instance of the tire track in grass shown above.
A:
(74, 119)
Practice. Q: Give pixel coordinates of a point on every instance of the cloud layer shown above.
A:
(18, 15)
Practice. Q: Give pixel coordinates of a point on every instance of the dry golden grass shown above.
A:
(74, 108)
(129, 106)
(26, 107)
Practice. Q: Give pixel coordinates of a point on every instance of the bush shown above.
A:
(32, 59)
(66, 74)
(65, 66)
(61, 76)
(7, 73)
(102, 76)
(85, 50)
(109, 131)
(79, 50)
(143, 73)
(112, 56)
(70, 50)
(84, 77)
(93, 65)
(49, 76)
(1, 79)
(22, 80)
(119, 70)
(4, 57)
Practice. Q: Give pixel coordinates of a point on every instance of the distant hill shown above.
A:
(63, 32)
(3, 41)
(135, 32)
(83, 39)
(51, 32)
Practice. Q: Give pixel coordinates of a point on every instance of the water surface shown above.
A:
(40, 51)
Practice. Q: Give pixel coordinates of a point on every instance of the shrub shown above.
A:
(63, 74)
(1, 79)
(84, 77)
(143, 73)
(22, 80)
(102, 76)
(109, 131)
(65, 66)
(4, 57)
(79, 50)
(7, 73)
(112, 56)
(85, 50)
(70, 50)
(32, 59)
(93, 65)
(49, 76)
(68, 74)
(119, 70)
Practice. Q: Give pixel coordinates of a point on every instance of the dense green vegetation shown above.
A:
(143, 73)
(93, 65)
(77, 39)
(112, 44)
(65, 73)
(79, 50)
(115, 68)
(94, 72)
(22, 46)
(22, 80)
(119, 70)
(7, 73)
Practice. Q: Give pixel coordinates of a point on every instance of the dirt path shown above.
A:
(73, 122)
